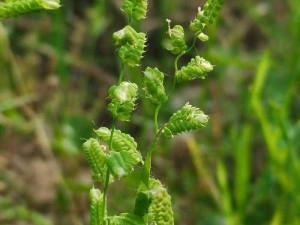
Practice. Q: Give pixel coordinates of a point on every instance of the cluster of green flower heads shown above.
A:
(153, 203)
(12, 8)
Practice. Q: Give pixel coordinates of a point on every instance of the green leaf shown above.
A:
(160, 210)
(123, 97)
(95, 155)
(126, 219)
(131, 45)
(135, 9)
(16, 8)
(154, 87)
(96, 207)
(197, 68)
(186, 119)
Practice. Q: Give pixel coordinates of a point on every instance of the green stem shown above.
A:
(145, 176)
(107, 171)
(155, 118)
(121, 73)
(177, 59)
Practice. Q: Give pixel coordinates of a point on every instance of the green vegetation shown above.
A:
(63, 74)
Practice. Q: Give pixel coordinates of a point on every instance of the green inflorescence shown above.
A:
(97, 207)
(131, 45)
(160, 210)
(206, 16)
(196, 68)
(19, 7)
(95, 155)
(121, 142)
(153, 86)
(135, 9)
(177, 43)
(123, 97)
(186, 119)
(153, 203)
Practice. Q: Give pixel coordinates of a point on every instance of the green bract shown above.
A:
(16, 8)
(135, 9)
(160, 210)
(186, 119)
(153, 86)
(177, 42)
(131, 45)
(196, 68)
(123, 97)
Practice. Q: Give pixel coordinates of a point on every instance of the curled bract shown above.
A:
(186, 119)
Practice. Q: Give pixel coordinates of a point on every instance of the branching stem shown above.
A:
(155, 118)
(177, 59)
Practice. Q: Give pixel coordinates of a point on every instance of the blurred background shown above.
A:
(243, 168)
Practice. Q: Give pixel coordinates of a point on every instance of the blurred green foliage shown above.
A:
(242, 169)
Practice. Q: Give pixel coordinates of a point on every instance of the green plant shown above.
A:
(120, 155)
